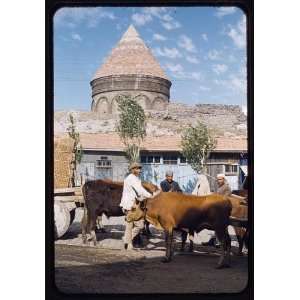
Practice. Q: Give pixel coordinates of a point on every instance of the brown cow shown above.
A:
(103, 197)
(175, 211)
(239, 211)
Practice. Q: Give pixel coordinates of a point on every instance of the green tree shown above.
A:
(131, 126)
(196, 144)
(77, 148)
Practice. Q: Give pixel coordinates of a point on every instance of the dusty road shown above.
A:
(108, 268)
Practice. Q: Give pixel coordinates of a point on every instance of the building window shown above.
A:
(231, 169)
(170, 160)
(103, 163)
(182, 160)
(156, 159)
(150, 159)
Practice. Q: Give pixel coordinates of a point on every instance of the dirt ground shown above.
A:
(107, 268)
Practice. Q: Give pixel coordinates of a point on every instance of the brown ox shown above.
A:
(239, 212)
(102, 197)
(175, 211)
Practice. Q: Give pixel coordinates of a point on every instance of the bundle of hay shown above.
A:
(63, 147)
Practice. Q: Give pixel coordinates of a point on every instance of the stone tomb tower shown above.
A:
(130, 69)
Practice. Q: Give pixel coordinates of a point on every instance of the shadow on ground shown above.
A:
(94, 270)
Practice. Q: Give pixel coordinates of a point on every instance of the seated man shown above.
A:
(169, 185)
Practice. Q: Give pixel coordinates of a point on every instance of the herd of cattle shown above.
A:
(168, 212)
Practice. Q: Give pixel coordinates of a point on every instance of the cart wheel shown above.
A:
(62, 219)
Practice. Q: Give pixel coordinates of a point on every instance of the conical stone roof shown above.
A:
(130, 57)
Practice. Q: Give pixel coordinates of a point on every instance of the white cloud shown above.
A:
(235, 82)
(167, 52)
(204, 88)
(195, 75)
(238, 84)
(167, 18)
(141, 19)
(244, 109)
(171, 25)
(155, 11)
(186, 43)
(238, 33)
(220, 68)
(158, 37)
(76, 37)
(161, 13)
(204, 36)
(192, 59)
(224, 11)
(178, 72)
(74, 16)
(175, 67)
(214, 54)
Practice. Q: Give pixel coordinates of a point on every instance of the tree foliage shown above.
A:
(196, 144)
(131, 126)
(77, 148)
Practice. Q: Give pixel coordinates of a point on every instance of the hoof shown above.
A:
(166, 259)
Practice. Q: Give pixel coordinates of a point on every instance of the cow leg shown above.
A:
(239, 232)
(92, 227)
(224, 239)
(99, 224)
(169, 250)
(84, 226)
(191, 238)
(146, 231)
(183, 239)
(147, 224)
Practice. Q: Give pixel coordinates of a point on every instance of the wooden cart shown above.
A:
(66, 200)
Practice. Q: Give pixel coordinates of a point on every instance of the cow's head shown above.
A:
(135, 214)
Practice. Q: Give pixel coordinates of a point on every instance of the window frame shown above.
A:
(104, 163)
(231, 172)
(170, 160)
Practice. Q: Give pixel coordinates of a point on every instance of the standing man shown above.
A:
(132, 190)
(223, 189)
(169, 185)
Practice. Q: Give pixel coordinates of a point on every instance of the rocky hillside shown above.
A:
(224, 120)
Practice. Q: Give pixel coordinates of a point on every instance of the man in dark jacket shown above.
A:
(169, 185)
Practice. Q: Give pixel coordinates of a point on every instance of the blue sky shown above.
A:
(201, 49)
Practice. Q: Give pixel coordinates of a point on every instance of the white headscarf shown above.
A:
(202, 186)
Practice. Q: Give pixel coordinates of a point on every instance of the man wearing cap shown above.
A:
(223, 186)
(169, 185)
(223, 189)
(132, 190)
